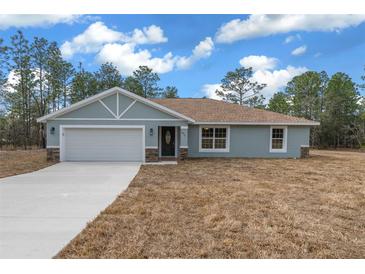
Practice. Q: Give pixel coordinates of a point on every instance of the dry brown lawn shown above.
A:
(22, 161)
(235, 208)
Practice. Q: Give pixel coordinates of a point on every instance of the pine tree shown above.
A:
(148, 81)
(84, 84)
(108, 77)
(341, 105)
(305, 91)
(238, 87)
(279, 103)
(23, 84)
(170, 92)
(39, 56)
(132, 85)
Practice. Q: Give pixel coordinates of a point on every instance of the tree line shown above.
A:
(35, 80)
(333, 101)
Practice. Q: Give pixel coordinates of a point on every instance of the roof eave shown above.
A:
(311, 123)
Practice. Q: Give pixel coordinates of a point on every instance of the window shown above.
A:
(278, 136)
(214, 139)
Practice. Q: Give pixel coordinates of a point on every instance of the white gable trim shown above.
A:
(107, 93)
(125, 111)
(108, 109)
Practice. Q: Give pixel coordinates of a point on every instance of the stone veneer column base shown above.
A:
(151, 154)
(183, 154)
(53, 154)
(304, 151)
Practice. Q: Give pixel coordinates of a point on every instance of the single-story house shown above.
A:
(117, 125)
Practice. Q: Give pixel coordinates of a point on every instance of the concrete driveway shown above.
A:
(40, 212)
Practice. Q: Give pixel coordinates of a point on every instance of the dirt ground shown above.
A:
(22, 161)
(235, 208)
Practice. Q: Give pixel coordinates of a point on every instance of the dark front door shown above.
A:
(168, 141)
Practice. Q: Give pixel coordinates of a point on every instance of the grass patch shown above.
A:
(235, 208)
(22, 161)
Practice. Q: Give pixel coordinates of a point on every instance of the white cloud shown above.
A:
(275, 79)
(91, 40)
(35, 20)
(209, 91)
(127, 59)
(299, 51)
(98, 34)
(265, 25)
(149, 35)
(256, 62)
(203, 50)
(122, 48)
(318, 54)
(292, 38)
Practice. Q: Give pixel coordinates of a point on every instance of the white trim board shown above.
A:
(108, 109)
(114, 119)
(285, 140)
(62, 135)
(128, 108)
(110, 92)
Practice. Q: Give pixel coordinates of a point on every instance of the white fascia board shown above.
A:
(260, 123)
(107, 93)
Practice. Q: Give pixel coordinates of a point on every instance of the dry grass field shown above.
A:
(235, 208)
(22, 161)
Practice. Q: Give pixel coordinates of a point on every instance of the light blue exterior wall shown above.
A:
(145, 115)
(252, 141)
(94, 110)
(53, 139)
(245, 141)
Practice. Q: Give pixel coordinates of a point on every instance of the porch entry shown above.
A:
(167, 141)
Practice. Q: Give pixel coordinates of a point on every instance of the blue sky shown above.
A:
(194, 52)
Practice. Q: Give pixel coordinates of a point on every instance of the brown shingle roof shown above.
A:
(209, 110)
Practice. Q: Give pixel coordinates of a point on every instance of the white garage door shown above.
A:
(102, 144)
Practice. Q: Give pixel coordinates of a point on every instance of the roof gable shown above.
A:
(93, 110)
(117, 102)
(141, 111)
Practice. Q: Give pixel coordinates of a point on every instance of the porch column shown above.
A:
(183, 149)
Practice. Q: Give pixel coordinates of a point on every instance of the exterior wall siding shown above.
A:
(151, 141)
(93, 110)
(139, 111)
(245, 141)
(252, 141)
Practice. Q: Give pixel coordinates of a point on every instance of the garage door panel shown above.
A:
(101, 144)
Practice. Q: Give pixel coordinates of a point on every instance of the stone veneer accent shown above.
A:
(151, 154)
(304, 151)
(183, 153)
(53, 154)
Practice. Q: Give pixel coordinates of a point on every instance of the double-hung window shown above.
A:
(214, 139)
(278, 139)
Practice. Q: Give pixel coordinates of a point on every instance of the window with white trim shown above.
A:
(278, 136)
(214, 139)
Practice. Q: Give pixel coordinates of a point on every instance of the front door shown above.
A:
(168, 141)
